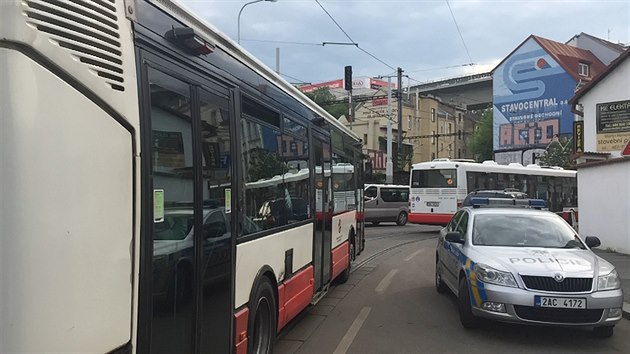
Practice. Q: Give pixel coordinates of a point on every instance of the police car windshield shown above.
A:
(523, 231)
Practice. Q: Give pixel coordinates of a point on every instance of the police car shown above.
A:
(509, 260)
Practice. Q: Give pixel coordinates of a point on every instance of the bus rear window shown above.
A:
(446, 178)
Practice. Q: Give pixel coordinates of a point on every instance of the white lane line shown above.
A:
(382, 286)
(348, 338)
(414, 254)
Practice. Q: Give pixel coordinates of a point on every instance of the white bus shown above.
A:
(126, 126)
(439, 187)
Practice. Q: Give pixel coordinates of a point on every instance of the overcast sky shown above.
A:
(420, 36)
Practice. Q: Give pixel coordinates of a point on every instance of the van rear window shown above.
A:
(445, 178)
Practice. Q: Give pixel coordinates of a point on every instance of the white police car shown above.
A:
(508, 260)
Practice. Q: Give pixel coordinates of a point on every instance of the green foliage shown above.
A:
(264, 164)
(323, 95)
(558, 153)
(481, 141)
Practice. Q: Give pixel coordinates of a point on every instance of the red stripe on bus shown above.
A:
(429, 218)
(297, 294)
(240, 331)
(340, 259)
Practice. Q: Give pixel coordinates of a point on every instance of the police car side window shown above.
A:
(462, 225)
(453, 223)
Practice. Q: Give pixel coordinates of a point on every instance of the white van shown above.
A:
(386, 202)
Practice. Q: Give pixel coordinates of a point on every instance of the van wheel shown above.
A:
(401, 219)
(262, 319)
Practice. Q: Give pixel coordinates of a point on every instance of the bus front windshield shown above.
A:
(434, 178)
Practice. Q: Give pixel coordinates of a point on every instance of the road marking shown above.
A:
(414, 254)
(348, 338)
(382, 286)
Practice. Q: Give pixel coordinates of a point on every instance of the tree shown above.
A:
(481, 141)
(323, 95)
(558, 153)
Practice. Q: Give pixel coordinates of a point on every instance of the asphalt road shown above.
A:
(389, 305)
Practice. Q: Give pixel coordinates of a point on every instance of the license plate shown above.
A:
(560, 302)
(433, 204)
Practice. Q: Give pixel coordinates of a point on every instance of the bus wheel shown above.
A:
(401, 219)
(262, 319)
(345, 275)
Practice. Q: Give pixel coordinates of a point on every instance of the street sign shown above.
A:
(626, 150)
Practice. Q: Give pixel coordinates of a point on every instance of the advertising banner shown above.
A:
(578, 136)
(530, 97)
(613, 125)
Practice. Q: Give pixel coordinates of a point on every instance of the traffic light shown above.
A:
(348, 78)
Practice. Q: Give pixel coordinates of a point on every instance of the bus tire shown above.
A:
(345, 275)
(262, 321)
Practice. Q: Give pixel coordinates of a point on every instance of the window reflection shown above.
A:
(172, 159)
(276, 177)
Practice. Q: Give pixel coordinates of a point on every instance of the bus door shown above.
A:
(323, 207)
(187, 211)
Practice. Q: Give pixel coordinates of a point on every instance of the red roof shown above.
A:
(568, 57)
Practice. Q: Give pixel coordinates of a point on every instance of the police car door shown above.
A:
(446, 249)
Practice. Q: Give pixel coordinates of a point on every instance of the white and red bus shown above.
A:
(160, 185)
(438, 187)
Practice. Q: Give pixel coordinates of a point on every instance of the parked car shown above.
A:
(386, 203)
(516, 263)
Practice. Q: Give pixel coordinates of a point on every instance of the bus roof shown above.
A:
(492, 166)
(217, 38)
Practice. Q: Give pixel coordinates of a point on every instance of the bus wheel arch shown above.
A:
(263, 305)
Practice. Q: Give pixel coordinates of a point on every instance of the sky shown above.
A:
(429, 39)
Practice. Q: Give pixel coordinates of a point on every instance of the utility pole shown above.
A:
(389, 173)
(400, 121)
(347, 80)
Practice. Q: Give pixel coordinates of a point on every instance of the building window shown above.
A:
(433, 114)
(459, 117)
(449, 128)
(459, 153)
(459, 134)
(432, 156)
(408, 122)
(365, 139)
(433, 137)
(583, 69)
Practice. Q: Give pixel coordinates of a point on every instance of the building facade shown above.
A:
(603, 155)
(531, 90)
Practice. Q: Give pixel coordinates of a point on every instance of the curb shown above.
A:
(626, 310)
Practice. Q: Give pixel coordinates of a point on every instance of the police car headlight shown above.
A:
(609, 281)
(490, 275)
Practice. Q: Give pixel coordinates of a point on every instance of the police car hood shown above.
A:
(544, 261)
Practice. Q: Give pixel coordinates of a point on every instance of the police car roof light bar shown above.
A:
(507, 202)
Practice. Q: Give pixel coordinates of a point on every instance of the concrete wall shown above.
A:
(604, 204)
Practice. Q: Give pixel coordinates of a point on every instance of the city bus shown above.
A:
(438, 187)
(160, 186)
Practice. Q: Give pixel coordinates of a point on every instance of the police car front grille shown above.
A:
(553, 315)
(568, 285)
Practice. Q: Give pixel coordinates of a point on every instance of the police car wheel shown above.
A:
(603, 332)
(439, 284)
(466, 316)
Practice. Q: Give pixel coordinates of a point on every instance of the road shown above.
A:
(389, 305)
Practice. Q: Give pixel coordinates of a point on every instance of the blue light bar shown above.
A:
(537, 203)
(477, 201)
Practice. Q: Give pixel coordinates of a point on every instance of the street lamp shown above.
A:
(239, 16)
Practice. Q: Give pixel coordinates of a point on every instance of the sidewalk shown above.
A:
(622, 265)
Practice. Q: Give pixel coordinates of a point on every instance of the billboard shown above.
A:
(530, 99)
(613, 125)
